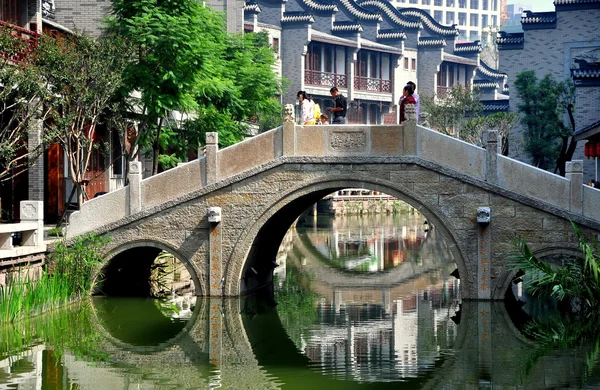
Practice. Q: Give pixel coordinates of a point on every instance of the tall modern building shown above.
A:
(469, 16)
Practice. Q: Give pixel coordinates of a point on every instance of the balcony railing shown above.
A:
(443, 91)
(29, 40)
(373, 85)
(314, 77)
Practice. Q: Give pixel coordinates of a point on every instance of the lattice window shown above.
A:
(11, 11)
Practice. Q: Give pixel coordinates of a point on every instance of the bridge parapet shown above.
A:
(341, 144)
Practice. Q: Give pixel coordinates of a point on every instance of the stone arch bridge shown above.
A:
(263, 184)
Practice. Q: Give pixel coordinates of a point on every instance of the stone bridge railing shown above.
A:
(336, 144)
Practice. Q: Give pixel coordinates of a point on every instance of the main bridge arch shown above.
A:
(251, 264)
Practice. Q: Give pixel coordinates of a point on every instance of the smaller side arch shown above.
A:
(157, 244)
(506, 278)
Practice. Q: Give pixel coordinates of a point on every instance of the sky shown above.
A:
(536, 5)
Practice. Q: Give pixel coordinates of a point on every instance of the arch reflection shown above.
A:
(388, 321)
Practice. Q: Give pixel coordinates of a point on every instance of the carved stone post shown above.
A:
(574, 172)
(212, 148)
(410, 131)
(491, 173)
(33, 211)
(288, 147)
(135, 190)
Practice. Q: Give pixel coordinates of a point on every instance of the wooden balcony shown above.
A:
(26, 43)
(314, 77)
(372, 85)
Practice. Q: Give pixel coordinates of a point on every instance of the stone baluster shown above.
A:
(211, 162)
(491, 172)
(409, 138)
(288, 148)
(574, 172)
(32, 211)
(135, 184)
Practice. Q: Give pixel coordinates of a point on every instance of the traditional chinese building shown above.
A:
(566, 45)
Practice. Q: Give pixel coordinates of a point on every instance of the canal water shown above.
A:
(362, 302)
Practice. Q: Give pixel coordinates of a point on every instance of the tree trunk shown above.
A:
(569, 146)
(156, 148)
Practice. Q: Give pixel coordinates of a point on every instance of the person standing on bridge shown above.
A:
(407, 98)
(307, 109)
(415, 96)
(340, 107)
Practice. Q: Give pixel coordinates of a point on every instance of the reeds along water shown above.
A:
(70, 278)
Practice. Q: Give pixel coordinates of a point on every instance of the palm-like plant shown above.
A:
(572, 281)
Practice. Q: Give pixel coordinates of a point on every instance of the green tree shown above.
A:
(22, 93)
(245, 92)
(83, 76)
(175, 42)
(455, 113)
(548, 141)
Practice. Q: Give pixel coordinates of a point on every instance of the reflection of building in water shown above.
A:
(381, 243)
(281, 259)
(380, 343)
(362, 201)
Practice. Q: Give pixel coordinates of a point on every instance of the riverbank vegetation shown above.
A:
(67, 277)
(575, 286)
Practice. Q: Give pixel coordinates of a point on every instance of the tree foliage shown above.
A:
(21, 104)
(83, 76)
(453, 113)
(187, 66)
(459, 113)
(543, 104)
(174, 42)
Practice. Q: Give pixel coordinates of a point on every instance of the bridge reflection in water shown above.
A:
(383, 296)
(401, 328)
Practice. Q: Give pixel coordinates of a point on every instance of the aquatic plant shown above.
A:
(74, 330)
(68, 276)
(574, 282)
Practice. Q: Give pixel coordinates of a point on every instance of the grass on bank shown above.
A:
(67, 277)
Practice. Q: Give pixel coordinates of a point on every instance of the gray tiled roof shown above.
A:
(291, 17)
(538, 17)
(391, 13)
(358, 11)
(391, 34)
(320, 6)
(431, 41)
(346, 27)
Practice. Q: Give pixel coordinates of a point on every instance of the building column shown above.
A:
(36, 159)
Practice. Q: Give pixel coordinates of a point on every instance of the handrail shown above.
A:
(315, 77)
(372, 84)
(31, 228)
(30, 37)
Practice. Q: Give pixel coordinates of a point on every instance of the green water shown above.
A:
(399, 325)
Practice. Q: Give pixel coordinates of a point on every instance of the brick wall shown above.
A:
(82, 15)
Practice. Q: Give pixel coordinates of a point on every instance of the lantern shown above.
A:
(592, 148)
(597, 149)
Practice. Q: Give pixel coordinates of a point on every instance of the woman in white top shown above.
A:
(307, 112)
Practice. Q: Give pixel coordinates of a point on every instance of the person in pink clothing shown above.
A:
(416, 96)
(407, 98)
